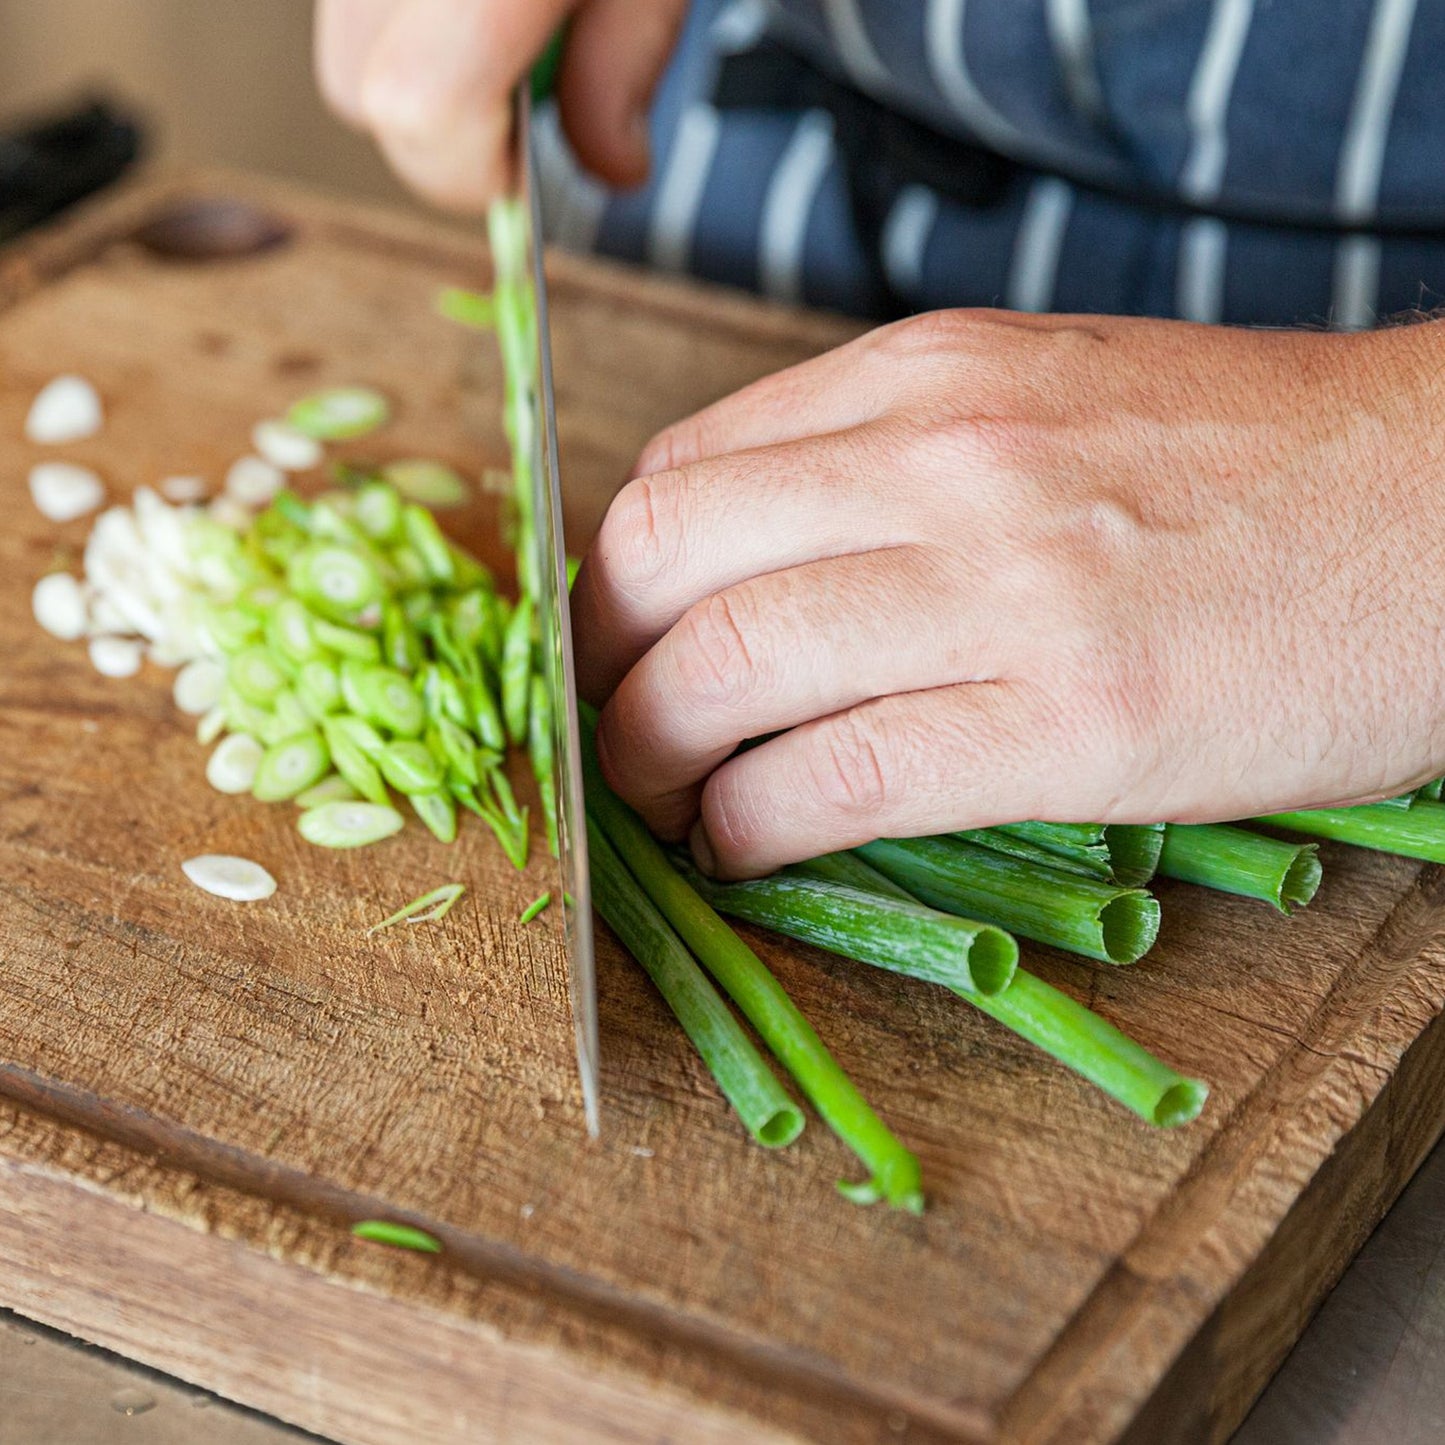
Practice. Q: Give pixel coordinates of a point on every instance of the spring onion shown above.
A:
(431, 483)
(238, 879)
(349, 825)
(283, 446)
(63, 491)
(331, 789)
(59, 606)
(536, 907)
(232, 767)
(768, 1114)
(893, 933)
(1234, 860)
(289, 767)
(1414, 832)
(1102, 921)
(893, 1171)
(399, 1236)
(253, 481)
(67, 409)
(341, 413)
(429, 908)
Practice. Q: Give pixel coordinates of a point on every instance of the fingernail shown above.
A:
(702, 853)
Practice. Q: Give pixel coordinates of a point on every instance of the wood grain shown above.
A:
(201, 1097)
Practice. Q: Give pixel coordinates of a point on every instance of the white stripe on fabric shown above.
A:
(946, 60)
(1199, 287)
(1356, 283)
(1362, 156)
(1034, 272)
(788, 204)
(1209, 93)
(855, 46)
(739, 27)
(673, 222)
(1072, 33)
(904, 241)
(572, 202)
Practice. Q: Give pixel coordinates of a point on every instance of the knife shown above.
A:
(543, 573)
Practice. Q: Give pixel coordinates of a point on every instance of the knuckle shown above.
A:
(663, 452)
(718, 647)
(851, 766)
(639, 537)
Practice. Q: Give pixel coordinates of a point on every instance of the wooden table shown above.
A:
(196, 1099)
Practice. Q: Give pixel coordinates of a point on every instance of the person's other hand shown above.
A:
(977, 567)
(432, 80)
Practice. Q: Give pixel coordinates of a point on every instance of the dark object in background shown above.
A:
(54, 163)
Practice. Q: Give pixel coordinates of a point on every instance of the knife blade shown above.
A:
(543, 573)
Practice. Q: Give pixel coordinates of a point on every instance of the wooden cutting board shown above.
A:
(198, 1098)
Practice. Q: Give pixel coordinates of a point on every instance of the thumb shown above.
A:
(616, 52)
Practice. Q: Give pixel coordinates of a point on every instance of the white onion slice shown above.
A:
(232, 767)
(238, 879)
(116, 656)
(59, 606)
(64, 491)
(66, 410)
(211, 726)
(253, 481)
(285, 447)
(183, 490)
(198, 686)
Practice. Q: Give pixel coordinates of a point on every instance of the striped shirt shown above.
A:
(1267, 162)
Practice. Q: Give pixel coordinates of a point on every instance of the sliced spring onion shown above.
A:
(538, 905)
(289, 632)
(382, 696)
(471, 308)
(410, 767)
(346, 641)
(67, 409)
(58, 603)
(334, 579)
(341, 413)
(238, 879)
(211, 726)
(425, 538)
(290, 767)
(318, 686)
(378, 511)
(253, 481)
(116, 656)
(183, 490)
(283, 446)
(429, 908)
(63, 491)
(256, 675)
(349, 825)
(399, 1236)
(198, 685)
(231, 768)
(433, 484)
(438, 811)
(331, 789)
(354, 746)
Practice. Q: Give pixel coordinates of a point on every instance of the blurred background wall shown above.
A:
(220, 81)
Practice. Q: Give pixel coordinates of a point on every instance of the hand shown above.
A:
(432, 80)
(977, 567)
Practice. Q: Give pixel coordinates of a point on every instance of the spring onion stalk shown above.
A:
(1102, 921)
(341, 413)
(1415, 832)
(517, 670)
(399, 1236)
(767, 1112)
(903, 936)
(1093, 1047)
(540, 747)
(852, 872)
(893, 1170)
(535, 908)
(1130, 851)
(1088, 861)
(429, 908)
(1234, 860)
